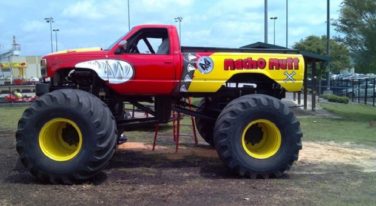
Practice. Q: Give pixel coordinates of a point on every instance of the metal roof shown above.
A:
(308, 56)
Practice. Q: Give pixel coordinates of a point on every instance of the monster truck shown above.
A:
(70, 132)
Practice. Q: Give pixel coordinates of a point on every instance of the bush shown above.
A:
(335, 98)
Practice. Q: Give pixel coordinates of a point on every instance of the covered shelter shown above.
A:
(312, 61)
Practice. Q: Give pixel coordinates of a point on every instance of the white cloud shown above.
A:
(84, 9)
(299, 32)
(158, 5)
(239, 7)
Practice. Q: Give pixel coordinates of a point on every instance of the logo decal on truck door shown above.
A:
(113, 71)
(205, 64)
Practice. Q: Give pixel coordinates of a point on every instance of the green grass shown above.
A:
(9, 116)
(350, 123)
(353, 112)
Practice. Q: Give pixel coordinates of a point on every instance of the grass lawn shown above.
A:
(9, 116)
(351, 123)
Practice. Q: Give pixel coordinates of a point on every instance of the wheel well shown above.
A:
(84, 79)
(88, 80)
(256, 83)
(260, 80)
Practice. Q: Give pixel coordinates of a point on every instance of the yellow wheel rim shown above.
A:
(60, 139)
(261, 139)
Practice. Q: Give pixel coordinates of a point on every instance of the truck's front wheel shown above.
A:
(66, 136)
(257, 136)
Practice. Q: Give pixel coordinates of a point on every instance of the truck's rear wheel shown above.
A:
(66, 136)
(205, 127)
(257, 136)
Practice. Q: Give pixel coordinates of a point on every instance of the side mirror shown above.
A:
(122, 47)
(123, 44)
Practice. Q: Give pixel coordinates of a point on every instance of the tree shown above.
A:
(357, 22)
(339, 54)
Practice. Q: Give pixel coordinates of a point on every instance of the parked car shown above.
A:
(361, 90)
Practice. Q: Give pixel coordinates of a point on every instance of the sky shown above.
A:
(218, 23)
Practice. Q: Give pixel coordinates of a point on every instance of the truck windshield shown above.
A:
(117, 41)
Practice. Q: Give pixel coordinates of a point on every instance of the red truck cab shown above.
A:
(145, 61)
(149, 61)
(154, 52)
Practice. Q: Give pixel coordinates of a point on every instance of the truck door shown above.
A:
(148, 51)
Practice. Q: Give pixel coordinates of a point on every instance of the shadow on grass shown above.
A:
(135, 168)
(136, 165)
(208, 167)
(20, 175)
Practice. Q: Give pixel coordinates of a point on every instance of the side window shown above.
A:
(155, 43)
(143, 48)
(149, 41)
(164, 46)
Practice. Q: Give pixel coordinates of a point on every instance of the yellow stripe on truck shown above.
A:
(78, 50)
(285, 69)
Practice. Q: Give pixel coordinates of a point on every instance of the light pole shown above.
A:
(327, 42)
(129, 17)
(50, 20)
(265, 21)
(179, 19)
(274, 18)
(287, 23)
(56, 30)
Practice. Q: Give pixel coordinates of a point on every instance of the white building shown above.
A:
(18, 68)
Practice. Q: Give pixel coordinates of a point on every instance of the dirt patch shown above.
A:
(312, 152)
(204, 151)
(195, 176)
(333, 153)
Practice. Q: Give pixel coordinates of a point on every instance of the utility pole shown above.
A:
(328, 41)
(287, 23)
(50, 20)
(274, 18)
(179, 19)
(129, 17)
(266, 21)
(56, 30)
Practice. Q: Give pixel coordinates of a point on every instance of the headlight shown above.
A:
(43, 67)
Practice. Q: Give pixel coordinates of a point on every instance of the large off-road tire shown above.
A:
(205, 127)
(257, 136)
(66, 136)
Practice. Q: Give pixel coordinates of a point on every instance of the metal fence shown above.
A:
(17, 93)
(358, 90)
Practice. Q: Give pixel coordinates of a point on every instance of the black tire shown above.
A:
(247, 117)
(75, 117)
(205, 127)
